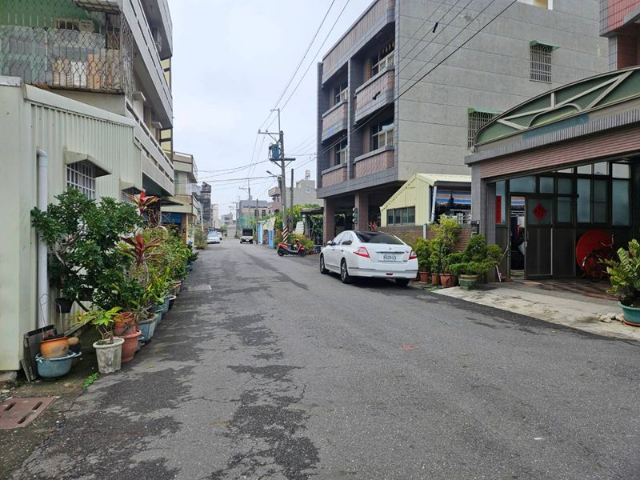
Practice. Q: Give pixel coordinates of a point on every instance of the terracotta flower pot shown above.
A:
(124, 324)
(447, 280)
(130, 345)
(435, 279)
(424, 276)
(57, 347)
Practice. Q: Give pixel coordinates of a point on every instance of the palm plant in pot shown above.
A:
(624, 275)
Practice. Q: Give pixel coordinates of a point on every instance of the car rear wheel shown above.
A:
(344, 272)
(323, 269)
(402, 282)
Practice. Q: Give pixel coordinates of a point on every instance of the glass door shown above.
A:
(538, 237)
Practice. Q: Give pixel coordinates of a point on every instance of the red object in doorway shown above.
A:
(498, 209)
(590, 241)
(539, 212)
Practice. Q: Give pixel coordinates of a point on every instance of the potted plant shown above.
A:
(624, 275)
(109, 349)
(477, 259)
(446, 236)
(450, 277)
(422, 249)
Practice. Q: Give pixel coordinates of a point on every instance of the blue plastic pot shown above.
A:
(57, 366)
(631, 315)
(148, 328)
(165, 305)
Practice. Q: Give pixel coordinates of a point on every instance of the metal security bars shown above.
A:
(61, 45)
(541, 63)
(477, 120)
(82, 177)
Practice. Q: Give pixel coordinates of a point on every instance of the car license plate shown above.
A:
(387, 257)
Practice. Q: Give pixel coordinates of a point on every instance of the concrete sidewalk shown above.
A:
(563, 308)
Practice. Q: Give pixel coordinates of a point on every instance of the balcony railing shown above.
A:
(334, 121)
(93, 54)
(376, 93)
(373, 162)
(334, 175)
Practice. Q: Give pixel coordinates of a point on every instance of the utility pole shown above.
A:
(293, 216)
(277, 156)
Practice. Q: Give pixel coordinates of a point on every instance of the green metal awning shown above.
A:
(533, 43)
(471, 110)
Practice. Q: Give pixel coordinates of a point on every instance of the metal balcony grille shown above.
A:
(541, 63)
(61, 45)
(477, 120)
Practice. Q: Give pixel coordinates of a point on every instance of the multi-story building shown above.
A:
(215, 215)
(185, 211)
(304, 193)
(558, 176)
(85, 102)
(248, 209)
(407, 87)
(205, 201)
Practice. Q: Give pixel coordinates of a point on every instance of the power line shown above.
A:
(301, 61)
(314, 58)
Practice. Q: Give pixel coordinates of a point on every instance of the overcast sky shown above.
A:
(232, 60)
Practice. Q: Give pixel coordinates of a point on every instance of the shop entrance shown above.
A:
(538, 237)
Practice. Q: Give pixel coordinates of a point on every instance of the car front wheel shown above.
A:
(323, 269)
(344, 272)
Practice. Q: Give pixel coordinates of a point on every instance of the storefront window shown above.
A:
(565, 186)
(584, 200)
(620, 170)
(500, 202)
(546, 185)
(564, 209)
(620, 205)
(523, 184)
(601, 168)
(600, 201)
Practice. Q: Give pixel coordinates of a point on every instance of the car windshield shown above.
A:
(378, 237)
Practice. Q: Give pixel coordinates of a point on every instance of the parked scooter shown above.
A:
(291, 249)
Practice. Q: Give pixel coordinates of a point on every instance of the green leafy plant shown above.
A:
(423, 249)
(102, 319)
(200, 239)
(447, 232)
(624, 275)
(82, 235)
(90, 379)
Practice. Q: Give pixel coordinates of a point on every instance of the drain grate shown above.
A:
(19, 412)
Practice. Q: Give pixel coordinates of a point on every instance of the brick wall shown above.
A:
(335, 121)
(373, 164)
(368, 94)
(334, 177)
(617, 142)
(613, 13)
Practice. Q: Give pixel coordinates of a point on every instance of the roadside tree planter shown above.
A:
(624, 275)
(422, 248)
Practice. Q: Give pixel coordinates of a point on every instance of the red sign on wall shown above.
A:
(498, 209)
(539, 212)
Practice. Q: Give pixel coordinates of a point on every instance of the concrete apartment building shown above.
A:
(304, 193)
(85, 102)
(184, 211)
(205, 201)
(379, 123)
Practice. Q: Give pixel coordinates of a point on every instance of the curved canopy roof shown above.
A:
(570, 103)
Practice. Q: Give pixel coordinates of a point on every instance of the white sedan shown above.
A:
(213, 237)
(369, 254)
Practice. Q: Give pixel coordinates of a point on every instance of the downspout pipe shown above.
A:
(43, 277)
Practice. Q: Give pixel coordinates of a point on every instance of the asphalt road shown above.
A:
(267, 369)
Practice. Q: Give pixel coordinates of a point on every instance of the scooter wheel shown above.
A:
(281, 252)
(302, 253)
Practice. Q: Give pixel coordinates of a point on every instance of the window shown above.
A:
(378, 237)
(264, 213)
(341, 94)
(541, 62)
(82, 177)
(340, 152)
(476, 121)
(401, 216)
(382, 135)
(383, 59)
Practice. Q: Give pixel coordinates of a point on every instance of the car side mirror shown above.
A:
(330, 243)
